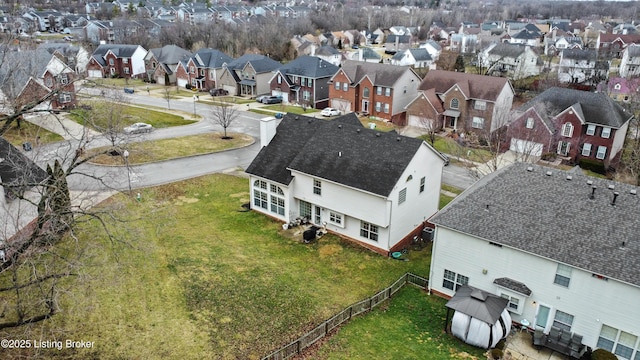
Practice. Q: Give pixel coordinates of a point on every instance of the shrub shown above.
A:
(188, 86)
(496, 354)
(602, 354)
(593, 165)
(548, 156)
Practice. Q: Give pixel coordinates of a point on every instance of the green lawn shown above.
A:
(29, 132)
(451, 147)
(165, 149)
(200, 279)
(410, 326)
(130, 115)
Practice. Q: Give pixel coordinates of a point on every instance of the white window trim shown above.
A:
(336, 218)
(606, 131)
(601, 155)
(529, 123)
(477, 119)
(586, 150)
(591, 129)
(568, 126)
(563, 271)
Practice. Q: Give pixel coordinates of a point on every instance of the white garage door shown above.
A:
(182, 82)
(418, 121)
(285, 95)
(342, 105)
(526, 147)
(94, 73)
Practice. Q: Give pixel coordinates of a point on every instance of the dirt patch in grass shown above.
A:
(329, 250)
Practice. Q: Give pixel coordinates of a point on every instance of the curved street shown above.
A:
(98, 178)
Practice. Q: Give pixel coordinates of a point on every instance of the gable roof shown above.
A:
(260, 63)
(593, 108)
(309, 66)
(339, 151)
(380, 74)
(419, 54)
(554, 218)
(119, 50)
(17, 172)
(33, 64)
(211, 58)
(579, 54)
(170, 54)
(508, 50)
(479, 86)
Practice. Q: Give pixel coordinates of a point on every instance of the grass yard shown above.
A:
(29, 132)
(158, 150)
(199, 278)
(290, 109)
(410, 326)
(133, 114)
(451, 147)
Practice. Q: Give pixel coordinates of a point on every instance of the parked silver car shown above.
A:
(138, 128)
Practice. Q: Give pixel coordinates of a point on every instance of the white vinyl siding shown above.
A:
(563, 275)
(453, 281)
(563, 320)
(368, 231)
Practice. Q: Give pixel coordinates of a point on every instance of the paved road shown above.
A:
(106, 177)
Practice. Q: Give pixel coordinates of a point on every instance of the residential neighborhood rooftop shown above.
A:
(585, 222)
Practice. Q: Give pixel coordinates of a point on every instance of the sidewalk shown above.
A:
(61, 125)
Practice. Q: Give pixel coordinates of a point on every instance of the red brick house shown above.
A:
(612, 45)
(202, 70)
(117, 60)
(571, 123)
(467, 102)
(379, 90)
(304, 81)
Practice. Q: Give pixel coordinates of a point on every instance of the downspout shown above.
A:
(433, 256)
(389, 227)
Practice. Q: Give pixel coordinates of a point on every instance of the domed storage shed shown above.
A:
(480, 319)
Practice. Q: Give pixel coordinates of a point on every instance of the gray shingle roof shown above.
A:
(260, 63)
(480, 86)
(341, 150)
(309, 66)
(121, 51)
(32, 63)
(594, 108)
(553, 217)
(514, 285)
(170, 54)
(212, 58)
(17, 172)
(380, 74)
(579, 54)
(507, 50)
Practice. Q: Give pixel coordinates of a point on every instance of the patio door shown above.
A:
(317, 218)
(542, 317)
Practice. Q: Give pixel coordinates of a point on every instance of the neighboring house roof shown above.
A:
(507, 50)
(526, 35)
(260, 63)
(514, 285)
(592, 108)
(339, 151)
(475, 86)
(327, 50)
(309, 66)
(17, 170)
(380, 74)
(579, 54)
(419, 54)
(402, 39)
(170, 54)
(370, 54)
(121, 51)
(625, 86)
(33, 64)
(211, 58)
(546, 213)
(625, 38)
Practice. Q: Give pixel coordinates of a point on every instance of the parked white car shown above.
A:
(138, 128)
(329, 112)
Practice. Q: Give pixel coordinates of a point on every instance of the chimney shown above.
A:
(615, 196)
(593, 193)
(267, 130)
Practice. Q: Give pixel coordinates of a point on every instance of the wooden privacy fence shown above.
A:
(320, 331)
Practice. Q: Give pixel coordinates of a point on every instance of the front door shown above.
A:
(317, 215)
(542, 317)
(365, 106)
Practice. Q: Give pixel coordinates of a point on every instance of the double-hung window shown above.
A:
(591, 129)
(606, 132)
(336, 85)
(529, 124)
(369, 231)
(563, 275)
(345, 86)
(478, 122)
(453, 281)
(422, 182)
(586, 150)
(602, 152)
(317, 187)
(567, 130)
(563, 320)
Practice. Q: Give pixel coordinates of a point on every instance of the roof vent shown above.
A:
(358, 131)
(298, 118)
(593, 193)
(549, 173)
(611, 187)
(529, 168)
(398, 138)
(589, 182)
(340, 126)
(569, 177)
(633, 192)
(377, 134)
(615, 196)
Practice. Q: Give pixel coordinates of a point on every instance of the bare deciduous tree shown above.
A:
(224, 114)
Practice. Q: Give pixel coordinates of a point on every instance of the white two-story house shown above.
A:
(374, 188)
(630, 63)
(561, 246)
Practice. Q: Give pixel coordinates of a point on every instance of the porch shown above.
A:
(519, 346)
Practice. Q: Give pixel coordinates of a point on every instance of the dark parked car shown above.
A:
(128, 90)
(218, 92)
(275, 99)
